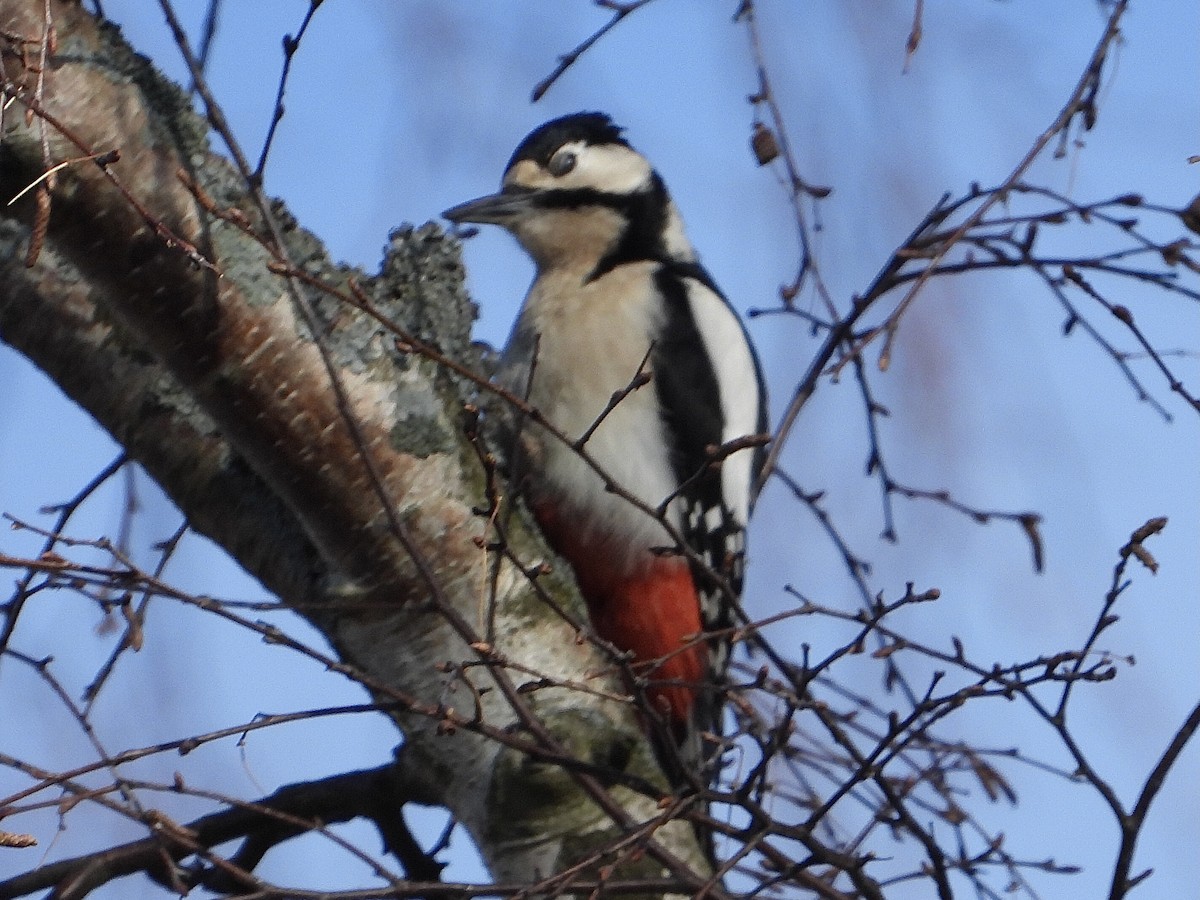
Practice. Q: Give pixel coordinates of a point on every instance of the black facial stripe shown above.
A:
(645, 214)
(646, 219)
(578, 198)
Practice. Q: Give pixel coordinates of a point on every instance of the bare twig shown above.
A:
(290, 46)
(1080, 102)
(619, 10)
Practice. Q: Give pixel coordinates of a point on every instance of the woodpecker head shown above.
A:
(577, 196)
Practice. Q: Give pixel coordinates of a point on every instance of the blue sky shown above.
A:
(397, 111)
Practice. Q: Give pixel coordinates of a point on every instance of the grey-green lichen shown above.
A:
(531, 798)
(420, 436)
(420, 286)
(187, 130)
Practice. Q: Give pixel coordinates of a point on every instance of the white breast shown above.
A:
(591, 338)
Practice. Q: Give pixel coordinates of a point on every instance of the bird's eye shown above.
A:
(561, 163)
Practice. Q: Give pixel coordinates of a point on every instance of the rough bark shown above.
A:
(171, 326)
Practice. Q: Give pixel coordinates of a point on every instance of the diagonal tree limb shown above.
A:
(170, 324)
(294, 809)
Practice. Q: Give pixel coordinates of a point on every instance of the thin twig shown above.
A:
(619, 10)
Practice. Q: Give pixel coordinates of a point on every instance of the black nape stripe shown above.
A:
(645, 213)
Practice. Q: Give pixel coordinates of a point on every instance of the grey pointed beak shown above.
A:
(494, 209)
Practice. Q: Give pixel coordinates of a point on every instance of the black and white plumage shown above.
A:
(618, 285)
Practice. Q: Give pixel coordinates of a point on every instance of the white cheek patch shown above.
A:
(610, 168)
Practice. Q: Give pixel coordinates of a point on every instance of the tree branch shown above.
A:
(159, 308)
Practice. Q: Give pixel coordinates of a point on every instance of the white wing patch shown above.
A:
(737, 379)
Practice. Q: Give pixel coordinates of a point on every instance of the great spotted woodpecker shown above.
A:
(619, 294)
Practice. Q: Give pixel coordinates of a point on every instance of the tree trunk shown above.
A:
(180, 312)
